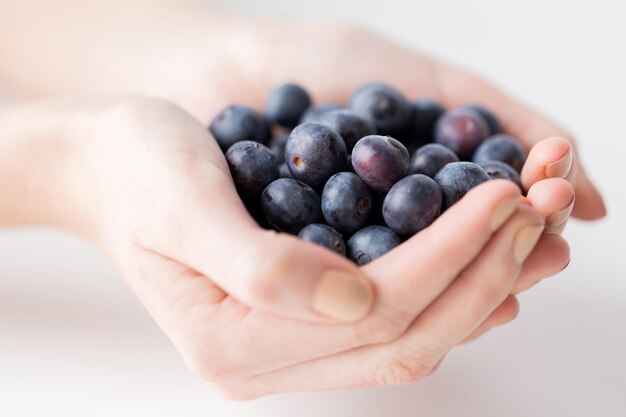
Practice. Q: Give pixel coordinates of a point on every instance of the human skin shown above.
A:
(140, 178)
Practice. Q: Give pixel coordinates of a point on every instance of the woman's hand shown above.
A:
(146, 182)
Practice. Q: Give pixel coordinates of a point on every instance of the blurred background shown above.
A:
(74, 341)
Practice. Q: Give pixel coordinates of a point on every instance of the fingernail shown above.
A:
(505, 209)
(525, 240)
(558, 217)
(342, 297)
(562, 167)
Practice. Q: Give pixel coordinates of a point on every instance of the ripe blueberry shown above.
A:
(315, 152)
(236, 123)
(370, 243)
(324, 235)
(289, 205)
(380, 161)
(350, 125)
(430, 158)
(252, 165)
(501, 148)
(457, 178)
(385, 106)
(286, 104)
(347, 203)
(461, 130)
(412, 204)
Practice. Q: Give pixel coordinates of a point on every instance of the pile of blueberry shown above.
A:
(358, 180)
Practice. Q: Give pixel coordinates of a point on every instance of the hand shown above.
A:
(146, 182)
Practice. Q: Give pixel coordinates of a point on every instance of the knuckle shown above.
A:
(382, 327)
(404, 368)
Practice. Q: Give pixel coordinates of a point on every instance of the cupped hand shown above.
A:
(258, 312)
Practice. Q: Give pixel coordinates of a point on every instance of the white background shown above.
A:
(75, 342)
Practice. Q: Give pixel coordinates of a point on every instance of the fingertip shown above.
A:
(589, 202)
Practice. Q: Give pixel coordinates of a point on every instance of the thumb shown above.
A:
(262, 269)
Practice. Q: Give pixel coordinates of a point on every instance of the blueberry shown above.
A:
(380, 161)
(370, 243)
(347, 203)
(283, 171)
(277, 145)
(412, 204)
(461, 130)
(457, 178)
(430, 158)
(236, 123)
(315, 152)
(313, 113)
(252, 165)
(350, 125)
(501, 170)
(502, 148)
(324, 235)
(286, 104)
(289, 205)
(385, 106)
(424, 114)
(490, 118)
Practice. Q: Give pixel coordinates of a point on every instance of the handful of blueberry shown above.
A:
(359, 180)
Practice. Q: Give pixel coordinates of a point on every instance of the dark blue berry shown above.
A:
(324, 235)
(313, 113)
(461, 130)
(412, 204)
(385, 106)
(350, 125)
(347, 203)
(457, 178)
(380, 161)
(501, 170)
(370, 243)
(286, 104)
(489, 117)
(252, 165)
(236, 123)
(289, 205)
(502, 148)
(430, 158)
(315, 152)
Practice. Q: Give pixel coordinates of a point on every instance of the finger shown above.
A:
(459, 88)
(504, 313)
(554, 199)
(451, 318)
(550, 158)
(550, 256)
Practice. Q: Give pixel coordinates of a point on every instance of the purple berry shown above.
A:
(462, 130)
(412, 204)
(430, 158)
(347, 203)
(380, 161)
(252, 165)
(277, 145)
(457, 178)
(315, 152)
(289, 205)
(236, 123)
(370, 243)
(424, 116)
(325, 236)
(501, 148)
